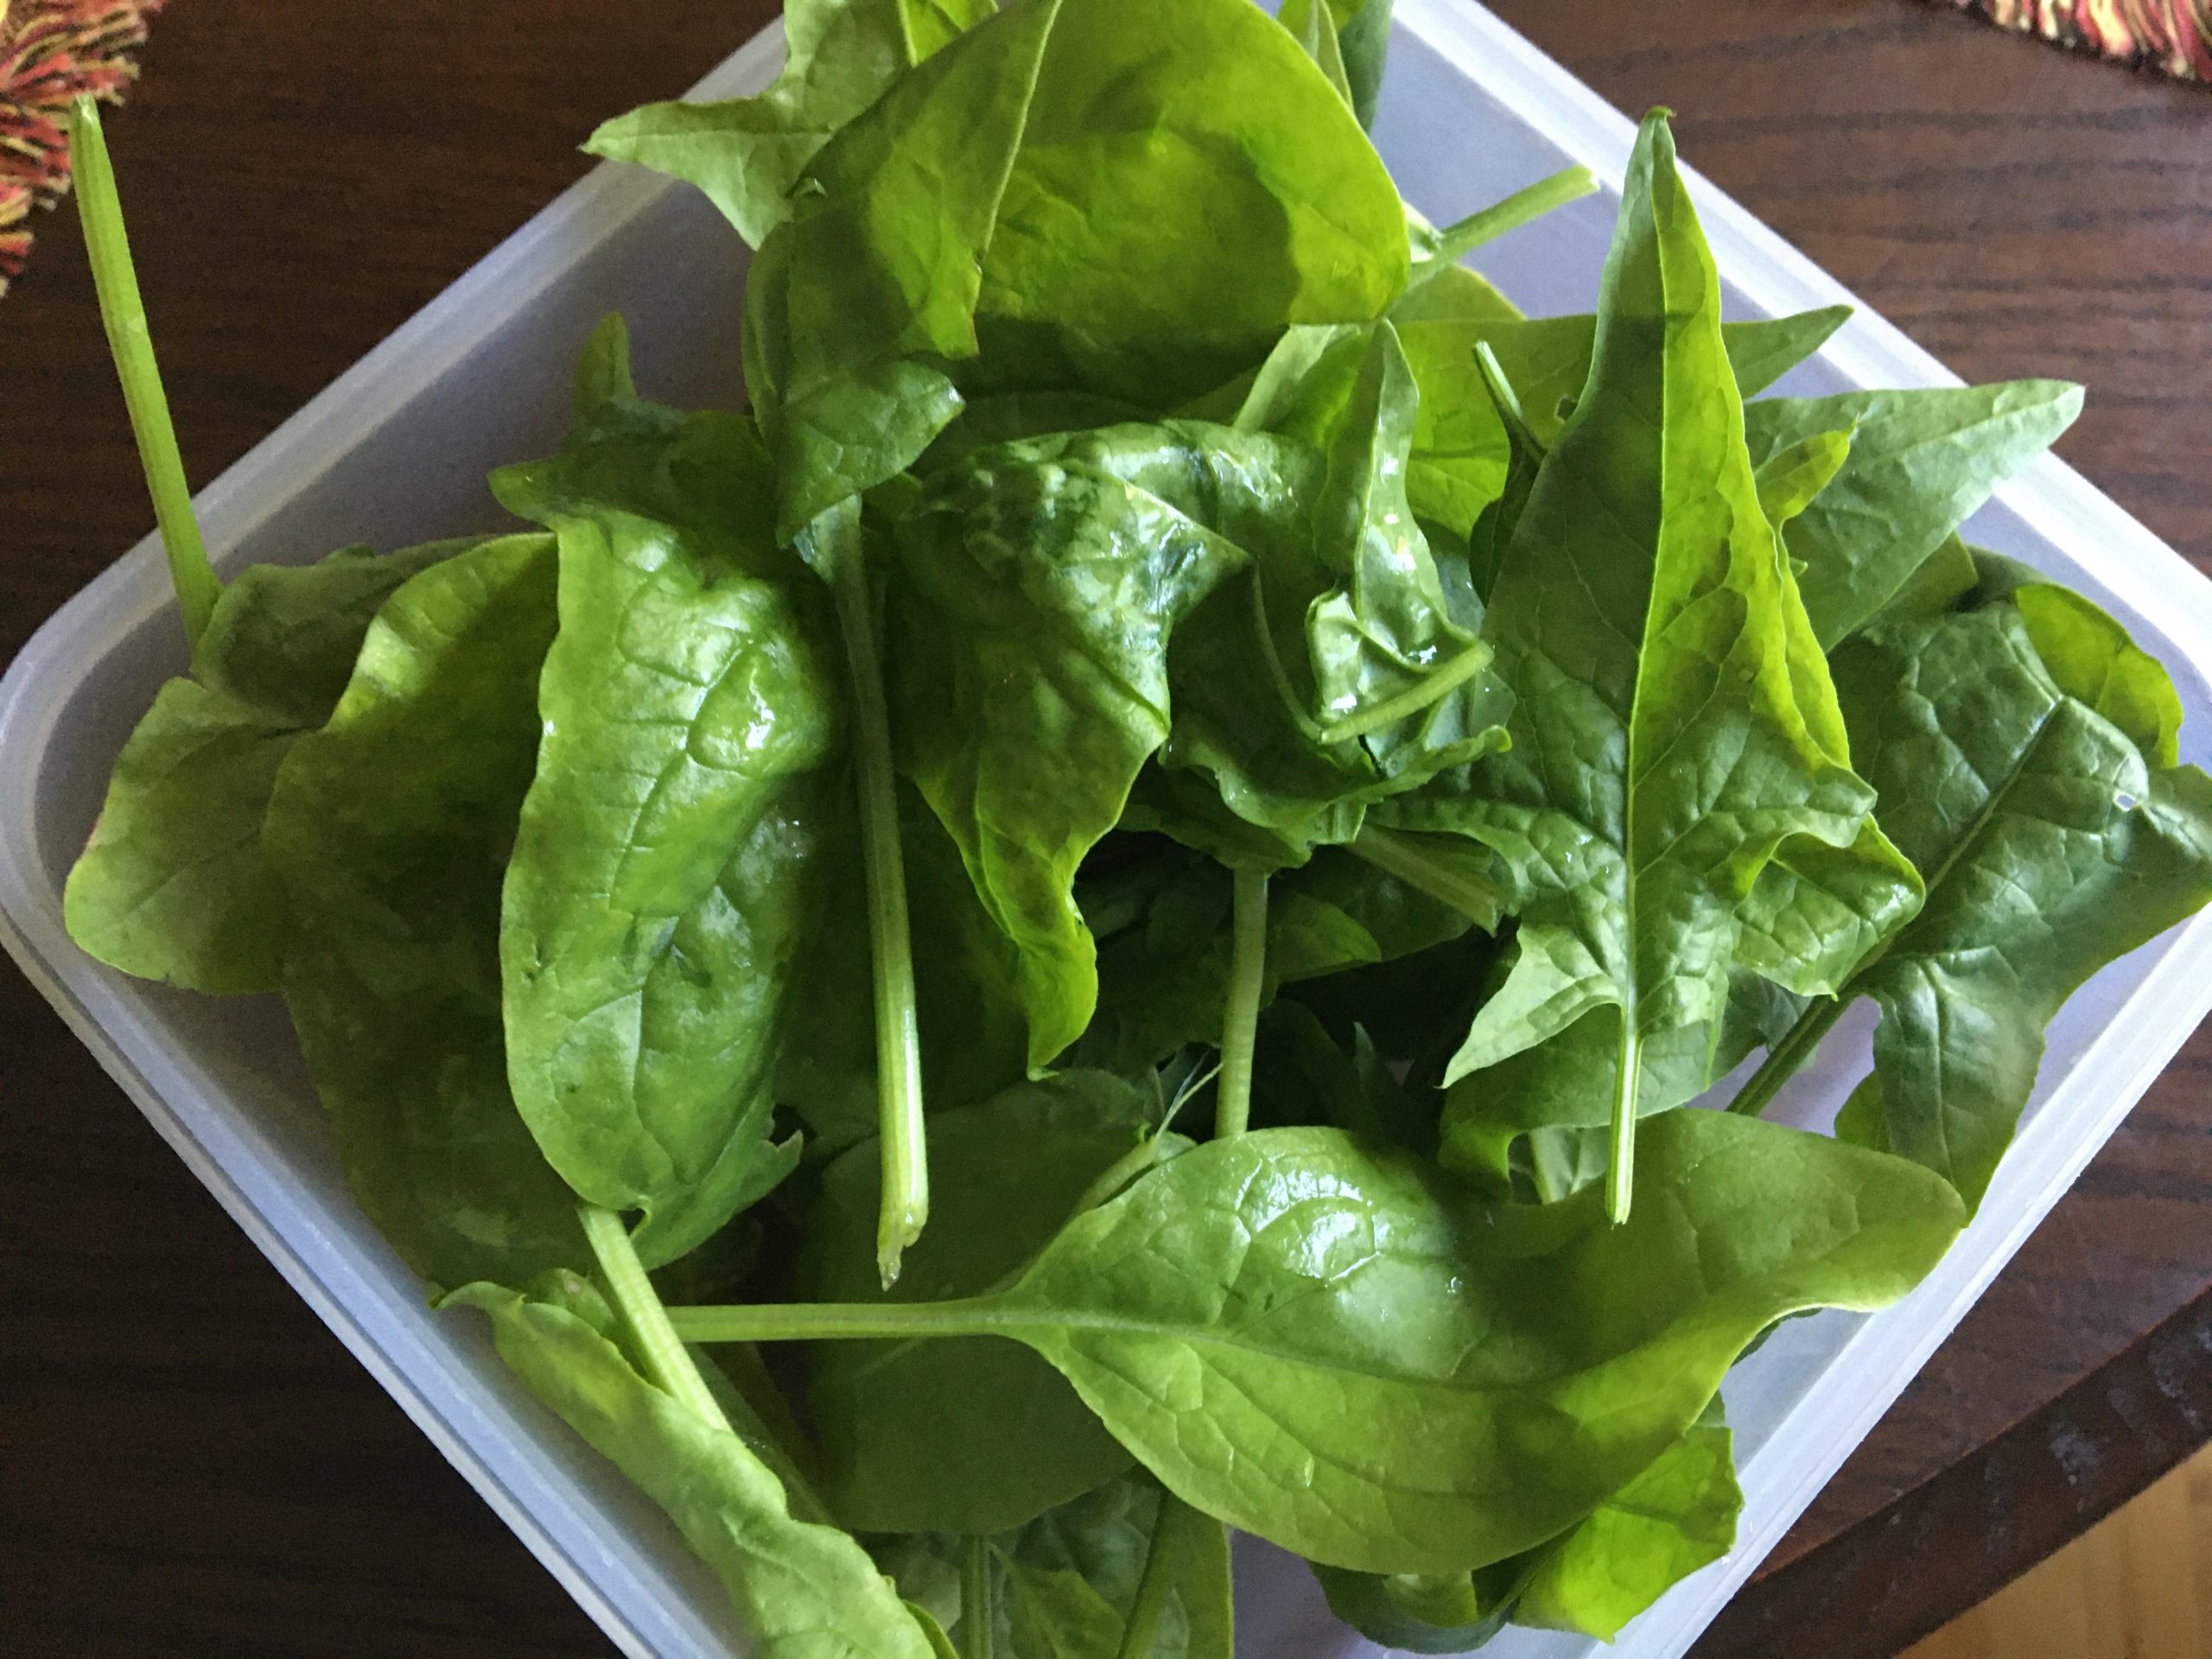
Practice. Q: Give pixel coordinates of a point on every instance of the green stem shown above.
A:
(906, 1209)
(1432, 687)
(1784, 1059)
(122, 313)
(978, 1619)
(977, 1316)
(1620, 1172)
(1455, 242)
(666, 1363)
(1172, 1529)
(1397, 854)
(1508, 401)
(1247, 972)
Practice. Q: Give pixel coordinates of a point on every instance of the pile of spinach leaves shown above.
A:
(1094, 923)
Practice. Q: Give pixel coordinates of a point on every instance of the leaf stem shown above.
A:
(1620, 1171)
(666, 1363)
(1247, 972)
(1454, 241)
(122, 313)
(1397, 854)
(836, 550)
(1785, 1058)
(1171, 1531)
(1432, 688)
(978, 1617)
(842, 1321)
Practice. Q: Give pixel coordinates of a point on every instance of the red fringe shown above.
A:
(50, 51)
(2175, 35)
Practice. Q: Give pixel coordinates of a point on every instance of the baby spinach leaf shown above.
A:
(2091, 657)
(390, 828)
(1313, 24)
(964, 1436)
(1644, 618)
(1674, 1519)
(1920, 462)
(805, 1589)
(746, 154)
(1460, 449)
(174, 884)
(1336, 1347)
(1412, 1612)
(856, 300)
(659, 888)
(1033, 663)
(2051, 847)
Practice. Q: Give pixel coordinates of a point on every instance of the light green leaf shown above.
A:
(174, 884)
(1674, 729)
(1338, 1348)
(664, 873)
(747, 154)
(1790, 478)
(390, 828)
(805, 1591)
(2091, 657)
(1920, 462)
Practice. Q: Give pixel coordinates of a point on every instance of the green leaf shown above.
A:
(175, 884)
(390, 828)
(662, 880)
(2091, 657)
(1363, 41)
(854, 301)
(1674, 729)
(1033, 664)
(1920, 462)
(1338, 1348)
(1446, 1612)
(2051, 847)
(1791, 479)
(1313, 24)
(1460, 448)
(747, 154)
(963, 1436)
(1676, 1516)
(805, 1590)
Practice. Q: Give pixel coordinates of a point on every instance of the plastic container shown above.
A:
(1471, 112)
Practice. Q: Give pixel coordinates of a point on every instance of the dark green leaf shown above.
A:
(391, 828)
(963, 1436)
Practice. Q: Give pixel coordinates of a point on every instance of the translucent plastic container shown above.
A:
(1470, 112)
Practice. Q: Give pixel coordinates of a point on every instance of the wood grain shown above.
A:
(190, 1464)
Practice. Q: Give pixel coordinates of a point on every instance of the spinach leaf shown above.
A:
(1334, 1346)
(747, 154)
(2091, 657)
(1674, 728)
(1313, 24)
(2052, 847)
(1920, 462)
(1677, 1515)
(854, 303)
(390, 828)
(1033, 661)
(1461, 446)
(805, 1591)
(175, 884)
(660, 884)
(965, 1436)
(1674, 1519)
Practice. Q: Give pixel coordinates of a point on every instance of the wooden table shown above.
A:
(192, 1466)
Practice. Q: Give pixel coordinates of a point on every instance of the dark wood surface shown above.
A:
(189, 1464)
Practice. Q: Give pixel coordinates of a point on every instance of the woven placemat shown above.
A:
(50, 51)
(2173, 35)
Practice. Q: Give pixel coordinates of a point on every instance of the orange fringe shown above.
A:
(50, 51)
(2175, 35)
